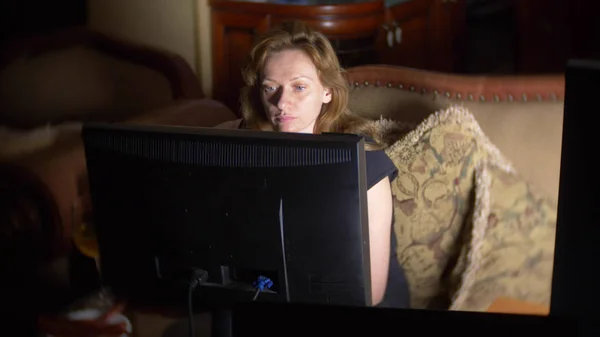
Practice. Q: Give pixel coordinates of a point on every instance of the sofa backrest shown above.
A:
(522, 116)
(78, 75)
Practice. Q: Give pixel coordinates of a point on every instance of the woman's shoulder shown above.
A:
(378, 157)
(234, 124)
(379, 166)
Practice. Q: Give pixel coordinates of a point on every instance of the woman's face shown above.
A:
(291, 92)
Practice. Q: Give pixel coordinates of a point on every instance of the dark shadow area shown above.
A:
(26, 17)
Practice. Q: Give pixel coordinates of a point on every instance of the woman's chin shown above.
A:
(286, 128)
(294, 128)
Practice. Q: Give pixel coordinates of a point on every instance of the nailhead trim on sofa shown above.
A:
(459, 96)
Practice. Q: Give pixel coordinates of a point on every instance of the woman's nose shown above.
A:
(284, 100)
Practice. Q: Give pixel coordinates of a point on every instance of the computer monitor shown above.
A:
(233, 204)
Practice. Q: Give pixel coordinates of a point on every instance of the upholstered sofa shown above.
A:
(476, 198)
(519, 141)
(49, 85)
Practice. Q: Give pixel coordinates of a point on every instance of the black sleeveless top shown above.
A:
(379, 166)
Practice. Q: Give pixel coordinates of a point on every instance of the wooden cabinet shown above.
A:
(544, 36)
(549, 33)
(414, 33)
(232, 36)
(448, 24)
(422, 34)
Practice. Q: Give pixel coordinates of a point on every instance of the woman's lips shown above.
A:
(284, 119)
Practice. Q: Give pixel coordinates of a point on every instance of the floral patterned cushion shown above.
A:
(433, 196)
(511, 250)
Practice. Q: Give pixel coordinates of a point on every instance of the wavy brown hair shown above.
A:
(296, 35)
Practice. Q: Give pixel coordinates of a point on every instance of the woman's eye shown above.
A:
(300, 87)
(269, 89)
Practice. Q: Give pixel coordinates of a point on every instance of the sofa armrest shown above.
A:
(52, 175)
(201, 112)
(53, 179)
(27, 218)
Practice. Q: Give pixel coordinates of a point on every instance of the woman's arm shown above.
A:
(380, 228)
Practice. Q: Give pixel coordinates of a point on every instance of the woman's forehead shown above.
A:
(289, 65)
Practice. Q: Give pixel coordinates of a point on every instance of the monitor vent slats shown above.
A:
(215, 153)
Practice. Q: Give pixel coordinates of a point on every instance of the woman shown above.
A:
(294, 83)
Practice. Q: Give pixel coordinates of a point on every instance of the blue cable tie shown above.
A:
(263, 283)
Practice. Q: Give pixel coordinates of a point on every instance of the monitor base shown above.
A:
(220, 319)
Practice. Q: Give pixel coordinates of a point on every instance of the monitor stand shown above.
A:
(220, 325)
